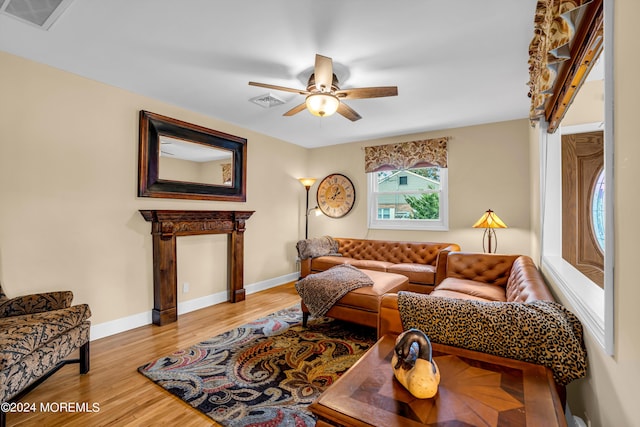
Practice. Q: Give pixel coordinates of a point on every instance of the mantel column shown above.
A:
(165, 276)
(236, 261)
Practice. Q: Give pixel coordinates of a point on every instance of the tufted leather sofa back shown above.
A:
(516, 273)
(487, 268)
(392, 251)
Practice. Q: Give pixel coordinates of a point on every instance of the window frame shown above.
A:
(408, 224)
(592, 304)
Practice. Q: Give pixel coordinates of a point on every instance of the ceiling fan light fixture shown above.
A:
(324, 96)
(322, 104)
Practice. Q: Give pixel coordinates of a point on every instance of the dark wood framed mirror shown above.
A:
(180, 160)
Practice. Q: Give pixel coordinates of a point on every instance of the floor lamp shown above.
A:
(307, 182)
(489, 221)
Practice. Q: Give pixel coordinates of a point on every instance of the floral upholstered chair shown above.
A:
(37, 333)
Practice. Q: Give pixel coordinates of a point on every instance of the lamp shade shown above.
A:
(489, 219)
(322, 104)
(307, 182)
(316, 211)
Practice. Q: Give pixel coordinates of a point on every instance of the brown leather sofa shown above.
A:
(475, 276)
(414, 260)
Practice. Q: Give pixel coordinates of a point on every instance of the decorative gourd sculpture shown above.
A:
(413, 366)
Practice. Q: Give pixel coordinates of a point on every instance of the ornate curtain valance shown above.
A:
(406, 155)
(556, 24)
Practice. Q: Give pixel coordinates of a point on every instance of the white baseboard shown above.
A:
(113, 327)
(202, 302)
(123, 324)
(271, 283)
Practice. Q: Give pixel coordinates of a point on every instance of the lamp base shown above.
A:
(488, 237)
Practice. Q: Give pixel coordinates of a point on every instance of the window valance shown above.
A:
(560, 54)
(406, 155)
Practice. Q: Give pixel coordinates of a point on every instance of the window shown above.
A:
(411, 199)
(585, 297)
(593, 305)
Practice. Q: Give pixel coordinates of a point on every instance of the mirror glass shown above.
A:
(186, 161)
(192, 162)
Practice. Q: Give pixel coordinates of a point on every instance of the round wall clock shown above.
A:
(336, 195)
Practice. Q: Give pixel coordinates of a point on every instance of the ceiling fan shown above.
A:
(324, 96)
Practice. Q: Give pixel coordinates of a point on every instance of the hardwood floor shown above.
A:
(124, 396)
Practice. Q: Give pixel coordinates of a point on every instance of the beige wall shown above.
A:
(186, 170)
(488, 169)
(588, 107)
(179, 170)
(608, 395)
(69, 211)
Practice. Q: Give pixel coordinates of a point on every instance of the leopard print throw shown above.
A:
(541, 332)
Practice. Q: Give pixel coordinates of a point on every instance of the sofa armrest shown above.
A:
(36, 303)
(305, 267)
(441, 267)
(389, 322)
(452, 248)
(525, 282)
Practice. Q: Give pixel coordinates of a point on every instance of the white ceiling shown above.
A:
(456, 62)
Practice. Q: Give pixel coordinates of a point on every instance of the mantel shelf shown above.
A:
(166, 225)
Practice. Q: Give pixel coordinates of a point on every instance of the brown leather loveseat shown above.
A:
(414, 260)
(475, 276)
(495, 304)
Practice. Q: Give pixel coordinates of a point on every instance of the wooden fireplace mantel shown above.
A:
(166, 225)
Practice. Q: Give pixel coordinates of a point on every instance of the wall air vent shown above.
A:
(41, 13)
(267, 100)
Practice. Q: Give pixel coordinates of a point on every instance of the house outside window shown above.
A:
(410, 199)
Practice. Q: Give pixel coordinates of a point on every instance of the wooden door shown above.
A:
(582, 162)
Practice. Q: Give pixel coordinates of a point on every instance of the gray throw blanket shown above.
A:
(540, 332)
(320, 291)
(318, 246)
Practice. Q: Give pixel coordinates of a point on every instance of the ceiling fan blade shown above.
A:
(283, 88)
(323, 73)
(348, 112)
(296, 109)
(367, 92)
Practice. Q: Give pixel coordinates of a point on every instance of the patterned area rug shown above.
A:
(264, 373)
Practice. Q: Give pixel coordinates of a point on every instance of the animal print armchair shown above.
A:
(37, 333)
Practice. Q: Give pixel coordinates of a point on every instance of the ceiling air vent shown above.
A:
(41, 13)
(267, 100)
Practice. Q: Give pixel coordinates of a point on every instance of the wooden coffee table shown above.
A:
(476, 389)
